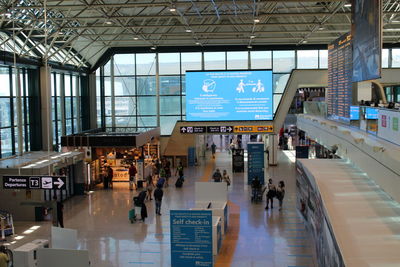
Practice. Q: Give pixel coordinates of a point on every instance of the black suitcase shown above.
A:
(179, 182)
(140, 184)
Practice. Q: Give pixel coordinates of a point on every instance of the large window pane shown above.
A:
(323, 59)
(67, 85)
(124, 86)
(68, 127)
(170, 105)
(107, 68)
(146, 85)
(167, 124)
(214, 61)
(6, 142)
(280, 81)
(107, 106)
(283, 61)
(5, 82)
(147, 121)
(307, 59)
(170, 85)
(146, 64)
(125, 106)
(190, 61)
(107, 86)
(385, 58)
(169, 63)
(395, 57)
(147, 105)
(5, 114)
(277, 100)
(125, 121)
(237, 60)
(124, 64)
(68, 110)
(261, 59)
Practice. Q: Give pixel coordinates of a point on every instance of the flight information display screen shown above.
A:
(229, 95)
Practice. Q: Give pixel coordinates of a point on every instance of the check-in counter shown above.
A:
(218, 209)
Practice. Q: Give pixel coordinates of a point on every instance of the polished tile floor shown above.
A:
(256, 237)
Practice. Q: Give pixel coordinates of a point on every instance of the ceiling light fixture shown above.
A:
(347, 5)
(197, 43)
(252, 36)
(188, 30)
(304, 41)
(256, 20)
(172, 9)
(321, 28)
(135, 38)
(109, 22)
(153, 48)
(249, 47)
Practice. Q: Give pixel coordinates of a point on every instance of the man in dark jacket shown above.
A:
(158, 195)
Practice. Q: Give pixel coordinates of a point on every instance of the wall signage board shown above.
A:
(191, 238)
(388, 125)
(34, 182)
(219, 129)
(255, 166)
(254, 129)
(193, 129)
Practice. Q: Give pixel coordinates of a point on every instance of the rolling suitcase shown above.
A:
(131, 215)
(140, 184)
(179, 183)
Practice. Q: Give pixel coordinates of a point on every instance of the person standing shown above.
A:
(217, 177)
(213, 149)
(225, 178)
(132, 176)
(3, 257)
(60, 212)
(280, 193)
(150, 187)
(110, 175)
(158, 195)
(271, 193)
(167, 169)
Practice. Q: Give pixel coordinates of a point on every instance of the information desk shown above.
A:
(218, 209)
(353, 221)
(25, 256)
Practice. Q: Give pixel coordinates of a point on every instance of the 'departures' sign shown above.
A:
(191, 238)
(34, 182)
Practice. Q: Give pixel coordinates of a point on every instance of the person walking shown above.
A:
(150, 187)
(271, 193)
(3, 257)
(158, 195)
(167, 169)
(280, 193)
(132, 176)
(139, 202)
(225, 178)
(110, 175)
(217, 177)
(179, 170)
(213, 149)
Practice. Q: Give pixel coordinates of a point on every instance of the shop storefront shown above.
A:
(115, 150)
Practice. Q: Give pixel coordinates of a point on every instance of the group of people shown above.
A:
(224, 177)
(272, 191)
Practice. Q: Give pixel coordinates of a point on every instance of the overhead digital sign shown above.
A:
(229, 95)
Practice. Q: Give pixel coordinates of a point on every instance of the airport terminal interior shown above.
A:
(199, 133)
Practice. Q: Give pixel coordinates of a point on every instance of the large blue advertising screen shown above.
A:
(229, 95)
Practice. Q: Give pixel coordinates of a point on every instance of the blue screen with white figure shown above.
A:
(229, 95)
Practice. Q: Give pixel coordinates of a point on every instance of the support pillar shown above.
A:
(46, 112)
(20, 125)
(272, 149)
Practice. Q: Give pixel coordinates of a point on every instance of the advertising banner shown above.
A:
(255, 164)
(367, 39)
(388, 125)
(191, 238)
(229, 95)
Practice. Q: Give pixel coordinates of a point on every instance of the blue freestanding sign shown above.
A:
(255, 162)
(191, 238)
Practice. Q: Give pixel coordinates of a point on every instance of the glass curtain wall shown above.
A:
(66, 106)
(8, 111)
(138, 78)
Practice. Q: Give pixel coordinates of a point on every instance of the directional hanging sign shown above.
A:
(192, 129)
(34, 182)
(219, 129)
(254, 129)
